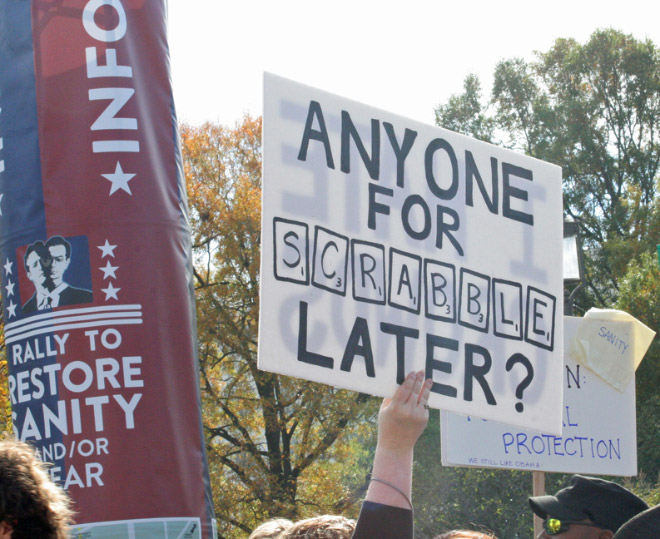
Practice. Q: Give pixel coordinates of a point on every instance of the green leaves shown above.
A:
(465, 113)
(593, 109)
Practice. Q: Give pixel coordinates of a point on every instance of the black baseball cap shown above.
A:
(642, 526)
(603, 502)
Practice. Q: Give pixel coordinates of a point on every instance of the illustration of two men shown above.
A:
(45, 265)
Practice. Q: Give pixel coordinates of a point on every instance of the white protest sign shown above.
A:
(389, 245)
(599, 430)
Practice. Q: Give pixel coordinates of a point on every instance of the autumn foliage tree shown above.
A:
(5, 402)
(277, 446)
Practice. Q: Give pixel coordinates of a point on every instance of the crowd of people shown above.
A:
(32, 506)
(588, 508)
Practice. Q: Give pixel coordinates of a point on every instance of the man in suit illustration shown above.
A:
(37, 268)
(46, 265)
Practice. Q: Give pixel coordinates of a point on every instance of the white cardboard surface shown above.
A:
(599, 433)
(389, 245)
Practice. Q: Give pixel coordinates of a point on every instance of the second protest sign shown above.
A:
(599, 434)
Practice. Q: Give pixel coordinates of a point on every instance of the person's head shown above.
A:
(642, 526)
(589, 508)
(37, 264)
(464, 534)
(271, 529)
(323, 527)
(59, 250)
(31, 505)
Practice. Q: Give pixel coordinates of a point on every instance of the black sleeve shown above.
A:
(378, 521)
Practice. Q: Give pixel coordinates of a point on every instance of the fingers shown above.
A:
(417, 386)
(386, 402)
(405, 390)
(425, 392)
(404, 417)
(414, 390)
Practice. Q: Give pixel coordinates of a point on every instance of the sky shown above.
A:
(404, 58)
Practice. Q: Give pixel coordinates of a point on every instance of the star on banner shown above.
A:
(10, 288)
(119, 179)
(11, 309)
(107, 249)
(110, 292)
(8, 266)
(109, 271)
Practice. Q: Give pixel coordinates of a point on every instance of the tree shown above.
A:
(277, 446)
(593, 109)
(5, 402)
(465, 113)
(640, 296)
(472, 498)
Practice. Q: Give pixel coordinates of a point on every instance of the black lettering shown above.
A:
(446, 228)
(303, 354)
(327, 245)
(348, 132)
(377, 207)
(538, 315)
(435, 145)
(503, 317)
(359, 344)
(400, 152)
(405, 217)
(312, 134)
(572, 375)
(293, 246)
(404, 280)
(508, 191)
(432, 364)
(478, 373)
(472, 172)
(473, 294)
(400, 332)
(367, 272)
(439, 288)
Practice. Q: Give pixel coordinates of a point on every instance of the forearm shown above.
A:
(394, 467)
(387, 510)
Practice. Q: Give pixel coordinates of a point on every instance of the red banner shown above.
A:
(98, 301)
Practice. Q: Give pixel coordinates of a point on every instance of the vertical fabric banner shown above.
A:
(95, 259)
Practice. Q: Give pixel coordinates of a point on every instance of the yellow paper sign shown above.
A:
(612, 344)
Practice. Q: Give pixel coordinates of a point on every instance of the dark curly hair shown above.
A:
(30, 503)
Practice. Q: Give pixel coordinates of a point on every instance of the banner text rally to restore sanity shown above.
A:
(389, 245)
(96, 265)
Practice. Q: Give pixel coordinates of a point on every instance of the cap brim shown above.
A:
(549, 506)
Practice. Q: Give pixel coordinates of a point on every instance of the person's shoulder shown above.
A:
(383, 521)
(71, 294)
(30, 305)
